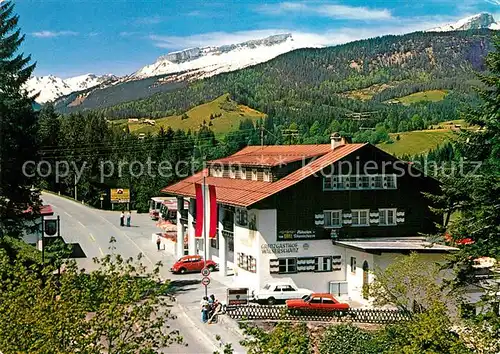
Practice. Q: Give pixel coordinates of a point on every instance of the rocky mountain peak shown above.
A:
(197, 52)
(483, 20)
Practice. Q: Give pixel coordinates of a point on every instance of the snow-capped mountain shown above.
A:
(193, 63)
(202, 62)
(52, 87)
(480, 21)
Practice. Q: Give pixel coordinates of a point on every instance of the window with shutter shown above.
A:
(360, 217)
(333, 218)
(387, 217)
(327, 184)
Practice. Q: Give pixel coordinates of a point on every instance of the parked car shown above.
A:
(279, 292)
(193, 264)
(316, 302)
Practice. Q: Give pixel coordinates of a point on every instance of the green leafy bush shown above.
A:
(348, 339)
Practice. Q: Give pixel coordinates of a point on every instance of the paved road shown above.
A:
(93, 228)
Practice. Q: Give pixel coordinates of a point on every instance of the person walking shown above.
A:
(158, 242)
(211, 301)
(122, 219)
(213, 316)
(129, 216)
(204, 309)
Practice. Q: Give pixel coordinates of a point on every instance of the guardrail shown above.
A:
(275, 312)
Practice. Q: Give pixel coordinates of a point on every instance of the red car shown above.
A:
(192, 264)
(316, 301)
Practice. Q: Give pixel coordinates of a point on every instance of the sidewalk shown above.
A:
(188, 289)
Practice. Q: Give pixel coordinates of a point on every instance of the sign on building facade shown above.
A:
(238, 296)
(284, 235)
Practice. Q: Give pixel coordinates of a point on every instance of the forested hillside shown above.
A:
(313, 87)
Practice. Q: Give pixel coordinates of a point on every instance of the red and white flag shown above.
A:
(206, 211)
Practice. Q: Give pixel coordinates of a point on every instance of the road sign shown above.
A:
(205, 272)
(205, 281)
(120, 195)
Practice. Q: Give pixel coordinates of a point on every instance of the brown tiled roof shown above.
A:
(240, 192)
(273, 155)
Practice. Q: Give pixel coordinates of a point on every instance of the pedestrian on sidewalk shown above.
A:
(129, 216)
(204, 309)
(158, 242)
(214, 310)
(122, 219)
(211, 302)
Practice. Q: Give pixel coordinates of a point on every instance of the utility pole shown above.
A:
(205, 244)
(76, 191)
(261, 135)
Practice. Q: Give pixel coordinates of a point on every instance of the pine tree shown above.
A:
(474, 196)
(49, 137)
(480, 204)
(18, 123)
(49, 127)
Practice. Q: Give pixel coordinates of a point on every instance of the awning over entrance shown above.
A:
(378, 245)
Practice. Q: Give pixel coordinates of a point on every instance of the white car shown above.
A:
(279, 292)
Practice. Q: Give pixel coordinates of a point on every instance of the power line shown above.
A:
(292, 133)
(361, 115)
(135, 142)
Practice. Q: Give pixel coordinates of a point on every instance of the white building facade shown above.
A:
(292, 221)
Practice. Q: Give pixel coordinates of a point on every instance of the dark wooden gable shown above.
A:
(299, 206)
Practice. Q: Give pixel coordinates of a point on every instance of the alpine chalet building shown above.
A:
(323, 216)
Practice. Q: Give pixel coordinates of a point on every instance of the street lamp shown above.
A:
(102, 199)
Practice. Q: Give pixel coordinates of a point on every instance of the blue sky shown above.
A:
(73, 37)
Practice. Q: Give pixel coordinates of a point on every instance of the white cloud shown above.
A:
(52, 34)
(335, 11)
(353, 13)
(128, 34)
(150, 20)
(305, 38)
(494, 2)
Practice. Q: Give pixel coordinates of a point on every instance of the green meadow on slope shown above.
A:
(222, 115)
(422, 141)
(429, 95)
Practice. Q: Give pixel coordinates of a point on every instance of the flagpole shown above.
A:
(205, 228)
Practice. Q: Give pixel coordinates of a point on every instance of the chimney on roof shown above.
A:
(337, 140)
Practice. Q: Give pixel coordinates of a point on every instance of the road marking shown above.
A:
(207, 340)
(127, 236)
(100, 250)
(96, 211)
(68, 214)
(92, 237)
